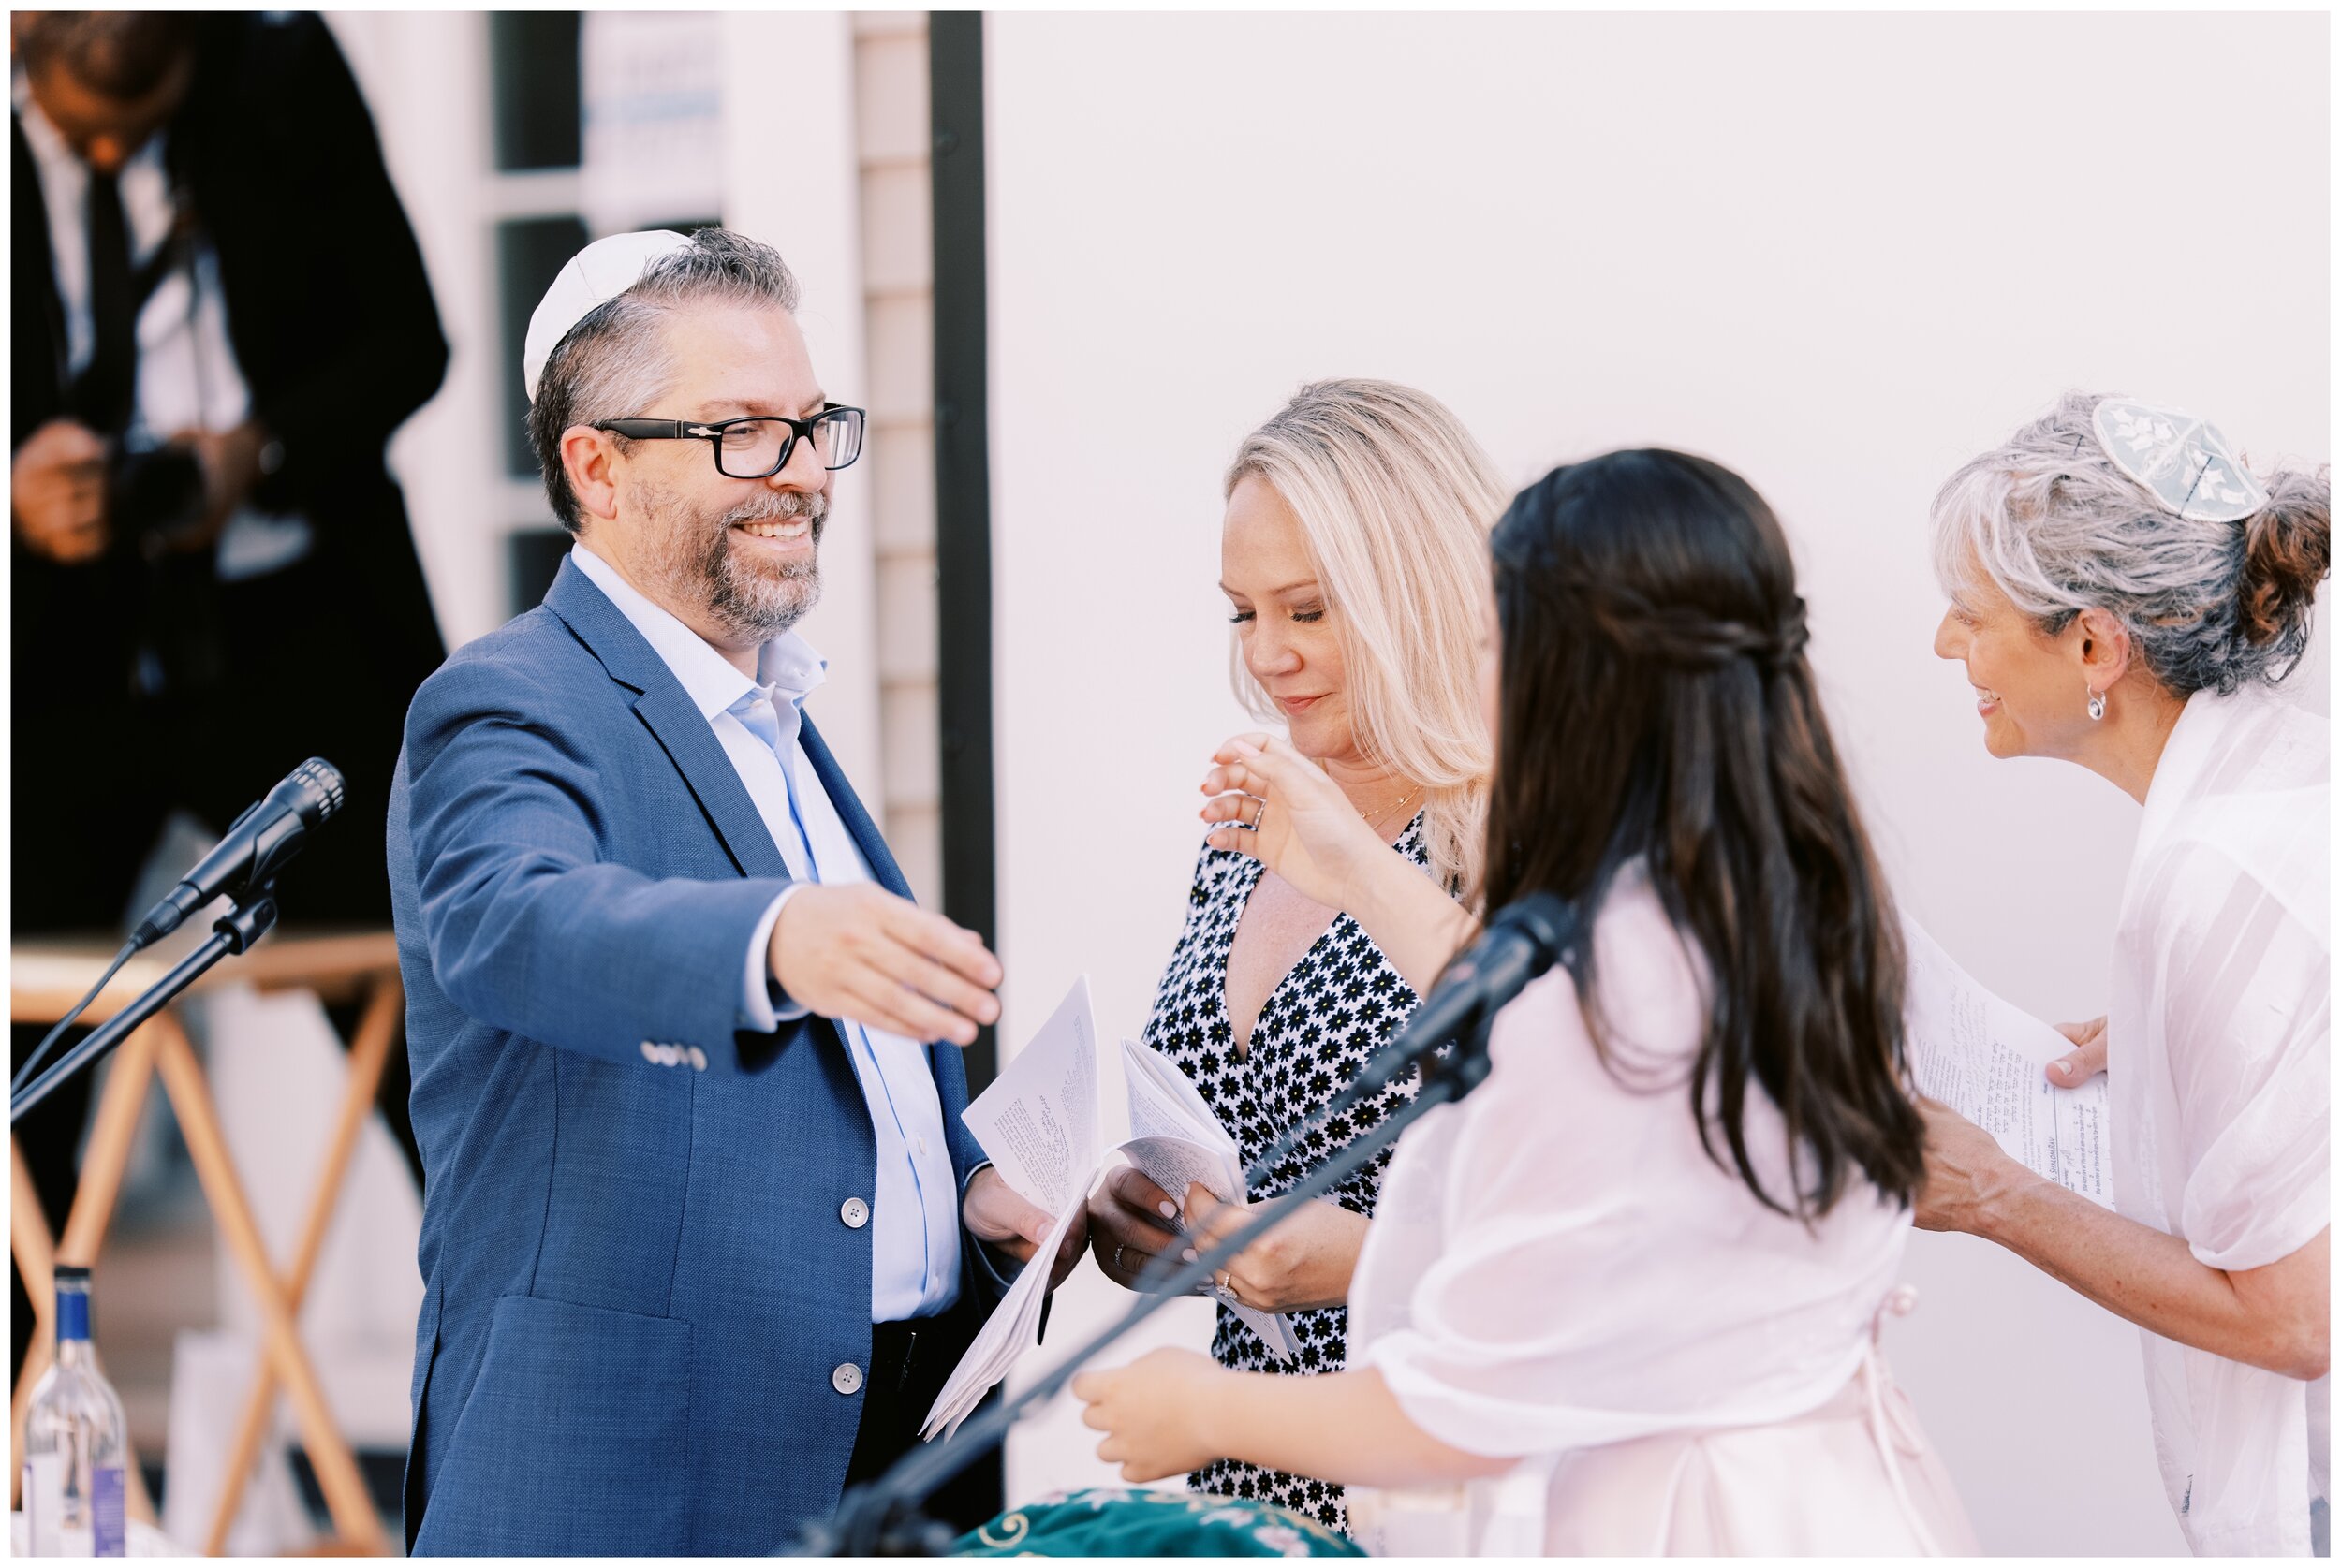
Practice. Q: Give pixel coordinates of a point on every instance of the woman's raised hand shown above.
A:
(1282, 810)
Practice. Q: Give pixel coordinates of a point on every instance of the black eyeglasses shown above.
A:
(758, 446)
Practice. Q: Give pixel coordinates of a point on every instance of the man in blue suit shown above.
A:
(702, 1230)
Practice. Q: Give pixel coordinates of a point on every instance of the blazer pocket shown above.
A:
(575, 1441)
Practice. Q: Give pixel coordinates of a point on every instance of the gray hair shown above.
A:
(615, 361)
(2050, 520)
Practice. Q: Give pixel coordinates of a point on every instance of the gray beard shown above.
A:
(762, 604)
(700, 564)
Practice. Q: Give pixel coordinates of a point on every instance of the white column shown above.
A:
(791, 179)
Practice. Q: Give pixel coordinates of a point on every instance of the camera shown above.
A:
(153, 493)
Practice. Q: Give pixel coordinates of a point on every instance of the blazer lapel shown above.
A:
(667, 709)
(951, 1088)
(36, 275)
(849, 810)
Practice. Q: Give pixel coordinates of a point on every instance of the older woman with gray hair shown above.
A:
(2126, 594)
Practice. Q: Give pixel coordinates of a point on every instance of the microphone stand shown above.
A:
(881, 1518)
(253, 917)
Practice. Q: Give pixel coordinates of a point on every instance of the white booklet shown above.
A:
(1039, 1124)
(1983, 1058)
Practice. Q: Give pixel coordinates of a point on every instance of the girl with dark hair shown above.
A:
(2127, 595)
(1637, 1274)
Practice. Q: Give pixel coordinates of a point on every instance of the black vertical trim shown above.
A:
(963, 488)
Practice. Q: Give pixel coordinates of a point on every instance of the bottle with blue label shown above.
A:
(76, 1443)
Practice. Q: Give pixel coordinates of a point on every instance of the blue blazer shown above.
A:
(637, 1282)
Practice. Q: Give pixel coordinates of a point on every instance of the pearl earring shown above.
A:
(2097, 704)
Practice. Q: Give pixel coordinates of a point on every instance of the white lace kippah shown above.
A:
(602, 271)
(2184, 463)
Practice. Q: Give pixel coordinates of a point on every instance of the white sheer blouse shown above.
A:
(2218, 1033)
(1558, 1263)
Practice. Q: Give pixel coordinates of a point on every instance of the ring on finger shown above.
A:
(1254, 824)
(1117, 1256)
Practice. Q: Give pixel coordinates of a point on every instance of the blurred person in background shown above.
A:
(1624, 1300)
(218, 316)
(1353, 556)
(2127, 595)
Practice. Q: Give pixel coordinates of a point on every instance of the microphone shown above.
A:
(257, 846)
(1522, 940)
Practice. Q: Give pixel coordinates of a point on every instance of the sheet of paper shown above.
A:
(1983, 1057)
(1038, 1123)
(1180, 1144)
(1164, 1102)
(1038, 1120)
(1013, 1328)
(1175, 1164)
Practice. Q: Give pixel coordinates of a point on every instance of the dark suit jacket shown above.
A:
(639, 1283)
(328, 312)
(331, 322)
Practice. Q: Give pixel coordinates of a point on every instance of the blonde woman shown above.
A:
(1354, 559)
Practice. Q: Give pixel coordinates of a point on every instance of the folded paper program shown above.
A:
(1039, 1123)
(1984, 1058)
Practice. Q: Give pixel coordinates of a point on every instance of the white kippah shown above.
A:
(2185, 464)
(602, 271)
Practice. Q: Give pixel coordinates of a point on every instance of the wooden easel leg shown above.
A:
(369, 1050)
(330, 1455)
(103, 1161)
(107, 1156)
(35, 1259)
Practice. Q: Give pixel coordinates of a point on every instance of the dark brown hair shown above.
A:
(117, 54)
(2287, 550)
(1657, 706)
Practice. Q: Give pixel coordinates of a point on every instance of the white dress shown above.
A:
(1557, 1270)
(2218, 1036)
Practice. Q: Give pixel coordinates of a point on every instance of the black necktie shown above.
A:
(109, 384)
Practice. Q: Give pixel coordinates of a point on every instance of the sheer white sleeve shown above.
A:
(2244, 1011)
(1557, 1263)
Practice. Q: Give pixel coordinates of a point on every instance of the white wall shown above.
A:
(793, 180)
(1840, 252)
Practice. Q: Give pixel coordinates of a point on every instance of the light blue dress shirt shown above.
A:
(914, 1222)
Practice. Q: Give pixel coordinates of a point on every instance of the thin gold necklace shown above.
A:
(1371, 817)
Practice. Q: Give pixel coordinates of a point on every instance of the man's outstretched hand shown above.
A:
(856, 951)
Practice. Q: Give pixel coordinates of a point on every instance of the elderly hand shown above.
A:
(856, 951)
(1000, 1217)
(1130, 1221)
(1965, 1171)
(1305, 1262)
(57, 492)
(1294, 819)
(2077, 1067)
(1156, 1412)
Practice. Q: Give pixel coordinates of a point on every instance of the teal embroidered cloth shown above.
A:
(1136, 1521)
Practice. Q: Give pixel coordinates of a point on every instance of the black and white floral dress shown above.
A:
(1335, 1008)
